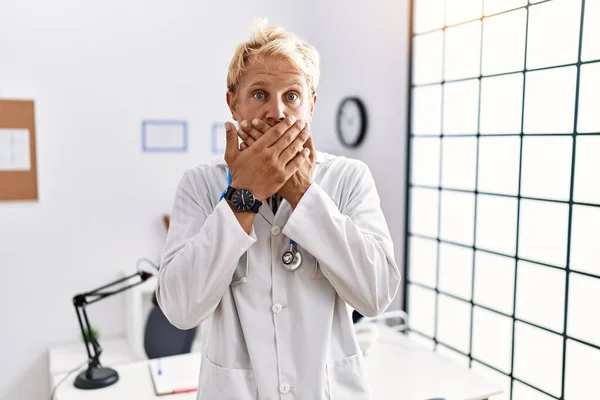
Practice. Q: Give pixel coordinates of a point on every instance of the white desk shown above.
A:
(134, 383)
(397, 368)
(64, 358)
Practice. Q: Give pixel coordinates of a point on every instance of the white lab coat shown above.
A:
(280, 335)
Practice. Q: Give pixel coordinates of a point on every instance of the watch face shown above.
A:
(243, 200)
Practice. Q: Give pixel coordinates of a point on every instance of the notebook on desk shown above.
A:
(177, 374)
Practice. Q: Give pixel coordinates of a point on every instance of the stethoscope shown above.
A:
(291, 259)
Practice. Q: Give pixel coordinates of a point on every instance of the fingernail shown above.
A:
(244, 123)
(227, 126)
(255, 122)
(291, 119)
(307, 151)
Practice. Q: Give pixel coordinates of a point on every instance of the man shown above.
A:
(278, 328)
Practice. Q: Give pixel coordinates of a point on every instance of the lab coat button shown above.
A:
(277, 308)
(275, 230)
(284, 388)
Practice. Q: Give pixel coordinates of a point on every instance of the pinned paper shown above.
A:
(15, 153)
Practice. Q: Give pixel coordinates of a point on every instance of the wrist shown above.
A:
(295, 197)
(245, 219)
(238, 212)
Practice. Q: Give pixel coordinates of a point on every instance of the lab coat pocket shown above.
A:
(310, 268)
(222, 383)
(347, 379)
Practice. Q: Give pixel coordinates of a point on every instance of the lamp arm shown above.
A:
(79, 310)
(97, 294)
(80, 302)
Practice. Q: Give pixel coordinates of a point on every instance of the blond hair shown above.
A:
(274, 41)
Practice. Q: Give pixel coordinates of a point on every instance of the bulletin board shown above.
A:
(18, 163)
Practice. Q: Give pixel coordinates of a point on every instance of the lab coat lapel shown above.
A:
(283, 213)
(266, 212)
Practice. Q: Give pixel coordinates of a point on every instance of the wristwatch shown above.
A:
(243, 200)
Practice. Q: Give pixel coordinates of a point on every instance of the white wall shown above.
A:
(364, 53)
(96, 70)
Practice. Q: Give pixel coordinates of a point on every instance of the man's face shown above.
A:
(271, 89)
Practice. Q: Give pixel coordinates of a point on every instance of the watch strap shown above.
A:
(256, 206)
(228, 193)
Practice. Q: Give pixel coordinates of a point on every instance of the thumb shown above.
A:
(231, 149)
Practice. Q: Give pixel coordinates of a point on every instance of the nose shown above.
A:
(275, 111)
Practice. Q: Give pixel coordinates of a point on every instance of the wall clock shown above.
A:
(351, 122)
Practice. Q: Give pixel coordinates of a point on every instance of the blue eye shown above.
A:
(292, 96)
(258, 95)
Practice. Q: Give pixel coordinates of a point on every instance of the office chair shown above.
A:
(162, 339)
(356, 316)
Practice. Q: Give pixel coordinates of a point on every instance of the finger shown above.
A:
(243, 146)
(288, 137)
(297, 162)
(257, 129)
(310, 144)
(253, 132)
(245, 137)
(231, 148)
(250, 130)
(261, 125)
(276, 132)
(295, 147)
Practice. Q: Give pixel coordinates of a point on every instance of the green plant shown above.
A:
(86, 334)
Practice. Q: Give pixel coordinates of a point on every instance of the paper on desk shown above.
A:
(15, 154)
(178, 373)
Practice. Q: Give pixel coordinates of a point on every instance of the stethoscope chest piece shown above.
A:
(292, 258)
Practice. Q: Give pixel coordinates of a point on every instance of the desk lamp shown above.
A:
(96, 376)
